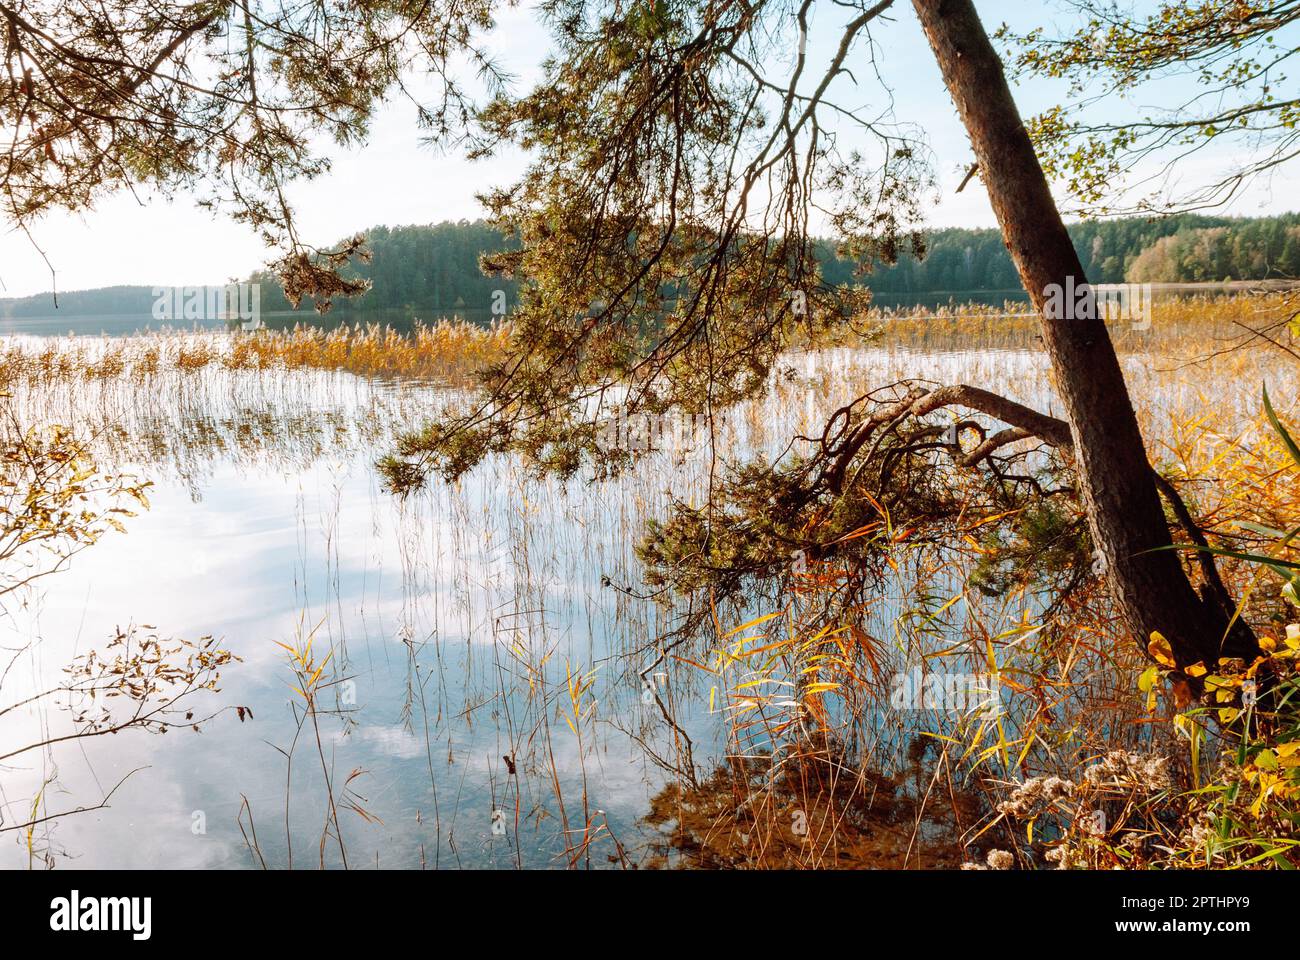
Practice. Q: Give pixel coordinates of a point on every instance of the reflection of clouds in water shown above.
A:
(160, 833)
(151, 819)
(390, 741)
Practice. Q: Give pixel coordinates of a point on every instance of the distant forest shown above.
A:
(435, 267)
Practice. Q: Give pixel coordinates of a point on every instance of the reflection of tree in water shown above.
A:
(815, 808)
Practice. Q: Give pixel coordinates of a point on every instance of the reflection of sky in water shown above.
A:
(258, 532)
(268, 551)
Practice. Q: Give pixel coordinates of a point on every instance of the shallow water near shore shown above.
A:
(454, 621)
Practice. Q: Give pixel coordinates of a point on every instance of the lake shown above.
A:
(497, 692)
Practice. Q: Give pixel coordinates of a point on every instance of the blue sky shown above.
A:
(393, 180)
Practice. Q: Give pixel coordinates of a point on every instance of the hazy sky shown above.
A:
(393, 180)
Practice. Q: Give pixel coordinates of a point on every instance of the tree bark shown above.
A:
(1118, 490)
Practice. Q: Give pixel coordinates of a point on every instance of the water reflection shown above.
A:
(484, 702)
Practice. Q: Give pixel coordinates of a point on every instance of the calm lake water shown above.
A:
(121, 325)
(56, 323)
(454, 621)
(267, 523)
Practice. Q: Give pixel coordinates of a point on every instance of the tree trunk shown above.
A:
(1119, 493)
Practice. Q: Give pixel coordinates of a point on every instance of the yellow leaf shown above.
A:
(753, 623)
(822, 687)
(1160, 649)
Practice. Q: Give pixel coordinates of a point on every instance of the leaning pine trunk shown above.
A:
(1124, 510)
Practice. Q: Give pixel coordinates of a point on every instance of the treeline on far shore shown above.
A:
(435, 267)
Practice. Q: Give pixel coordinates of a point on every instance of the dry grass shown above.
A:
(453, 352)
(449, 351)
(1212, 322)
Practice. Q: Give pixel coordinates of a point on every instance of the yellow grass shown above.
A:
(449, 351)
(1175, 322)
(455, 351)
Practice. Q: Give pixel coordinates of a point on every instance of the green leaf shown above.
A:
(1278, 566)
(1265, 531)
(1281, 430)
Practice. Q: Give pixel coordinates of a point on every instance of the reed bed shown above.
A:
(448, 351)
(1175, 323)
(453, 352)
